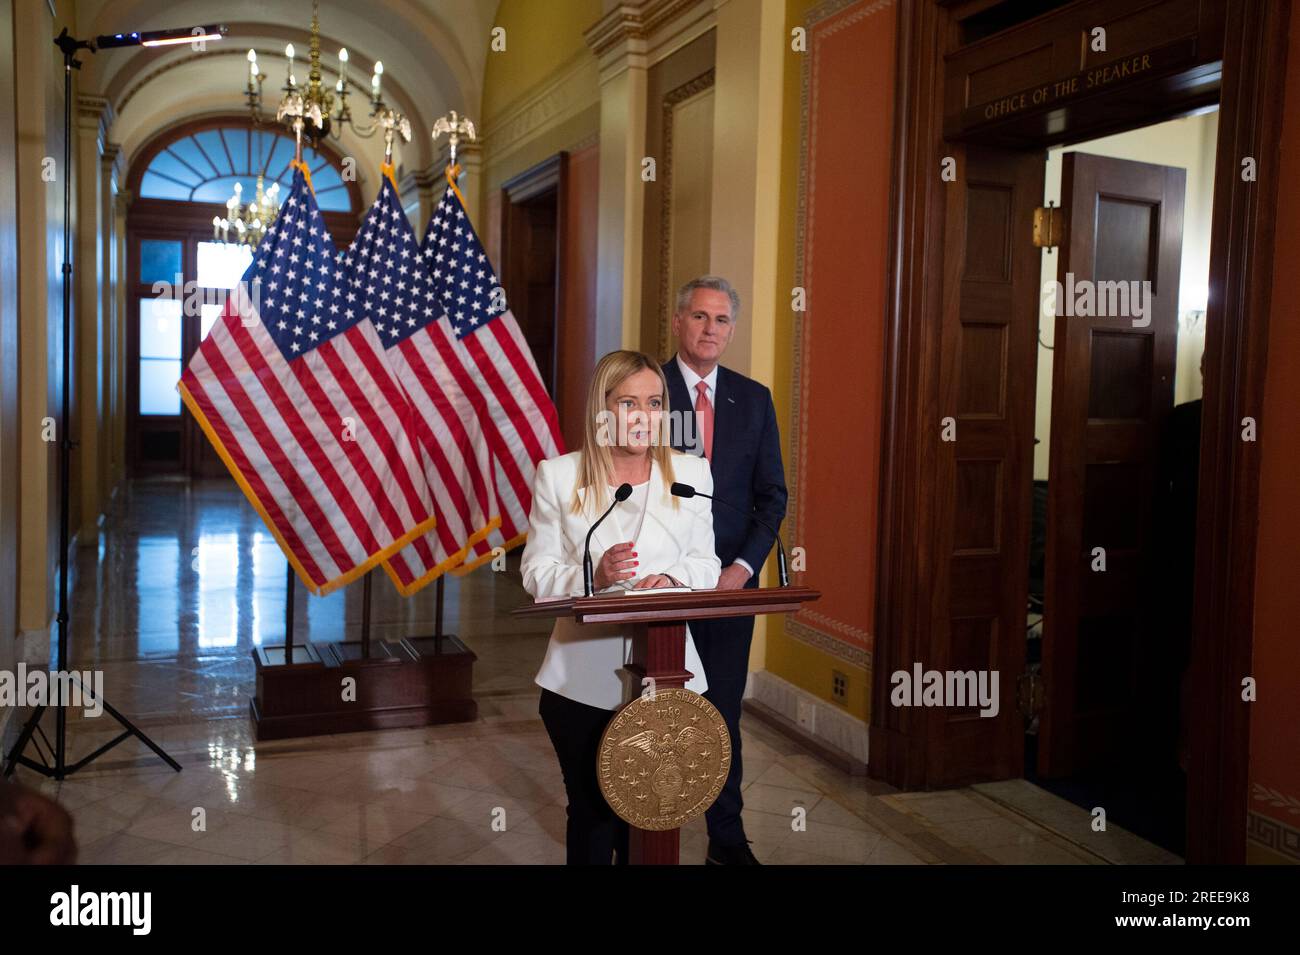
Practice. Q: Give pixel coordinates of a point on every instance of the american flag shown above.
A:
(386, 276)
(520, 423)
(294, 391)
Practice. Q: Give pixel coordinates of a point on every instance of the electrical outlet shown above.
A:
(807, 716)
(839, 687)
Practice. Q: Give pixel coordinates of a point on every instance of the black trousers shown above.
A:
(723, 645)
(594, 835)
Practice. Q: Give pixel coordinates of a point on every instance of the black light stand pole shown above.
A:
(60, 769)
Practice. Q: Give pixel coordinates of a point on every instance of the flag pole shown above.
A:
(288, 614)
(366, 584)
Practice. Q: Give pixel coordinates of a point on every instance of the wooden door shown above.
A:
(1112, 385)
(985, 473)
(530, 250)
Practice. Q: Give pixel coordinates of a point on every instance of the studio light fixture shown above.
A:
(196, 34)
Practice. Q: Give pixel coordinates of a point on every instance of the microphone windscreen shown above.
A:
(682, 490)
(623, 493)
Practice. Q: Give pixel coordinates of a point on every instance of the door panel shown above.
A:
(985, 475)
(529, 246)
(1112, 385)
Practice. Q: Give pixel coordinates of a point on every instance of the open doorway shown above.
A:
(961, 337)
(1117, 431)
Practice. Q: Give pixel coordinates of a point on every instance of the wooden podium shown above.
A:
(657, 623)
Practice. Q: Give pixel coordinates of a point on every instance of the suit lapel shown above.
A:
(679, 400)
(724, 413)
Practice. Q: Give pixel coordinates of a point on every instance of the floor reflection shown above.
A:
(186, 581)
(187, 578)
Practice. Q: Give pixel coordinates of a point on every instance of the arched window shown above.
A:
(177, 274)
(204, 166)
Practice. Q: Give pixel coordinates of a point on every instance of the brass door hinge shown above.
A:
(1049, 226)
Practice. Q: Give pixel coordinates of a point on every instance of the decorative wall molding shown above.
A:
(672, 99)
(1275, 798)
(95, 114)
(1273, 834)
(642, 34)
(570, 92)
(113, 161)
(820, 631)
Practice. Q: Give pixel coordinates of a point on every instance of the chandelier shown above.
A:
(248, 222)
(314, 104)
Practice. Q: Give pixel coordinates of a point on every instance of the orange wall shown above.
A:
(846, 255)
(1275, 717)
(833, 401)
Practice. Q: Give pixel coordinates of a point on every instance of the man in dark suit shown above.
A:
(731, 420)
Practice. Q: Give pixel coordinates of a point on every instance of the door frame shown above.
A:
(1250, 101)
(550, 174)
(570, 366)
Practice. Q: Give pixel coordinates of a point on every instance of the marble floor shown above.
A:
(185, 581)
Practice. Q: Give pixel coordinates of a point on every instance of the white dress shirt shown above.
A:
(585, 662)
(692, 379)
(711, 393)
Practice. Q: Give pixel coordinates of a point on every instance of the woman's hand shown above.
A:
(615, 565)
(654, 580)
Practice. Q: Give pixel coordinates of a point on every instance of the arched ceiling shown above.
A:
(434, 54)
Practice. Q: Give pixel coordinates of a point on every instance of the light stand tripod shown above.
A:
(60, 769)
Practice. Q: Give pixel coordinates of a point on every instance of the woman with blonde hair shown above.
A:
(650, 540)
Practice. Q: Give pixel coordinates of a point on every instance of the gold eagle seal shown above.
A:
(663, 759)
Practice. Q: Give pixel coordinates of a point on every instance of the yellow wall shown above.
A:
(9, 415)
(39, 119)
(38, 102)
(542, 38)
(544, 46)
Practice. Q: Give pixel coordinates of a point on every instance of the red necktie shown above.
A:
(704, 418)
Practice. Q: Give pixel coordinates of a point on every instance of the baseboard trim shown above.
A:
(832, 734)
(35, 647)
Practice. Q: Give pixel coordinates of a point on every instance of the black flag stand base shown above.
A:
(58, 768)
(310, 689)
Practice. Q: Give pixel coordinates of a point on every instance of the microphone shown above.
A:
(588, 582)
(685, 490)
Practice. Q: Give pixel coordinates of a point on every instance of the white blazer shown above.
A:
(585, 662)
